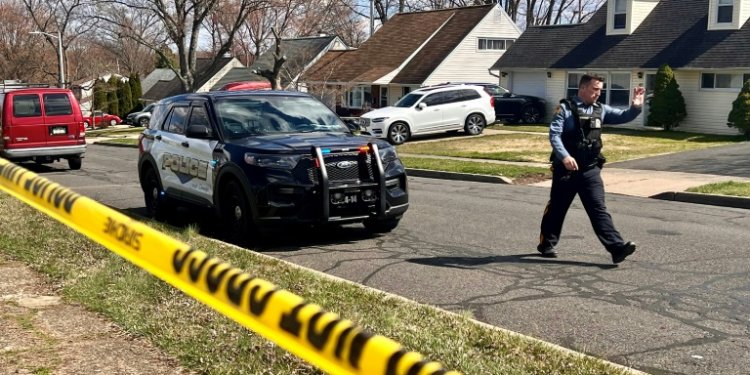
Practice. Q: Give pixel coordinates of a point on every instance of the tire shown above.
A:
(235, 213)
(112, 122)
(143, 122)
(531, 115)
(75, 163)
(475, 124)
(86, 124)
(381, 226)
(398, 133)
(157, 206)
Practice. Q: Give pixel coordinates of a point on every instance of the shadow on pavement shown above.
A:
(470, 262)
(287, 238)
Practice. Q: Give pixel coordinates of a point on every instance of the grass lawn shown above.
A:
(619, 144)
(112, 132)
(738, 189)
(206, 342)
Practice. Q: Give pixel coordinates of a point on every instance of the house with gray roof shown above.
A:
(300, 54)
(412, 50)
(705, 42)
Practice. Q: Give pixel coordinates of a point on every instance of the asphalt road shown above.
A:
(679, 305)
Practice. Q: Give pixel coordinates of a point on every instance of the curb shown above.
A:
(458, 176)
(713, 200)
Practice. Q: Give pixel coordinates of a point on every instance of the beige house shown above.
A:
(705, 42)
(412, 50)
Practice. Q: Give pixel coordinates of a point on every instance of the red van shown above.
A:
(42, 125)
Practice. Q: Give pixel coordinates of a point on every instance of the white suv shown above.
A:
(431, 110)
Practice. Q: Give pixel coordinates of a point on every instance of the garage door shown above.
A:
(529, 83)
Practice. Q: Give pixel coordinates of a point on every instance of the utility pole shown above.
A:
(372, 17)
(60, 56)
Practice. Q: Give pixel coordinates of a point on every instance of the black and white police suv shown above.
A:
(267, 157)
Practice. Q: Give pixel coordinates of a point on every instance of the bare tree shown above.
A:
(19, 50)
(182, 22)
(273, 74)
(71, 18)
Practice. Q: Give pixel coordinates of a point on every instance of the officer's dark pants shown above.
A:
(590, 188)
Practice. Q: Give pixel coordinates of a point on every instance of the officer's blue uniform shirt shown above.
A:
(564, 122)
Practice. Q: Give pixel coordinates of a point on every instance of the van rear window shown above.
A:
(26, 106)
(57, 104)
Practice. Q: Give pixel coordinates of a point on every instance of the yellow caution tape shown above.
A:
(322, 338)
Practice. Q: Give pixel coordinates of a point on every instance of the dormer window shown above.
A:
(620, 14)
(725, 11)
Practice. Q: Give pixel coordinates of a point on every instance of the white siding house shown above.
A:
(705, 43)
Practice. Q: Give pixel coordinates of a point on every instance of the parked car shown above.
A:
(260, 158)
(140, 118)
(101, 119)
(431, 110)
(41, 125)
(247, 85)
(510, 107)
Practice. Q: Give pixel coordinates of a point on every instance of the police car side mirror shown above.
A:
(421, 106)
(198, 131)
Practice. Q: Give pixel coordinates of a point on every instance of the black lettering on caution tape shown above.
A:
(234, 292)
(123, 233)
(249, 288)
(58, 196)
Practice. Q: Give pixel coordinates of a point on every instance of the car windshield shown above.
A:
(408, 100)
(148, 108)
(246, 116)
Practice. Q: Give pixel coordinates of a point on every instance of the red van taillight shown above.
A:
(81, 129)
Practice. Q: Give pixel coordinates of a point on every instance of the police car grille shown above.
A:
(360, 170)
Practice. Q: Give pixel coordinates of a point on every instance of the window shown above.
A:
(723, 80)
(573, 79)
(199, 117)
(359, 97)
(438, 98)
(26, 106)
(176, 122)
(57, 104)
(464, 95)
(619, 90)
(494, 44)
(615, 91)
(620, 14)
(724, 11)
(383, 97)
(405, 90)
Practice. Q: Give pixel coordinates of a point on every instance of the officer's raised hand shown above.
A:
(638, 94)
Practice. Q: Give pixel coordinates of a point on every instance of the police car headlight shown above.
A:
(387, 154)
(272, 160)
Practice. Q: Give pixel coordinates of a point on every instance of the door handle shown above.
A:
(185, 144)
(158, 137)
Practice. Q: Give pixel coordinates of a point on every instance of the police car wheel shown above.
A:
(156, 204)
(235, 211)
(381, 226)
(474, 124)
(143, 122)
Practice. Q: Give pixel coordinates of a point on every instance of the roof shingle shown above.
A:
(675, 32)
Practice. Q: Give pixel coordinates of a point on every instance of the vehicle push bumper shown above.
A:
(345, 201)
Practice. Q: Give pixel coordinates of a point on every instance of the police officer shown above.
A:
(575, 135)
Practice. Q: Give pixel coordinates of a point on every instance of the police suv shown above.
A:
(265, 157)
